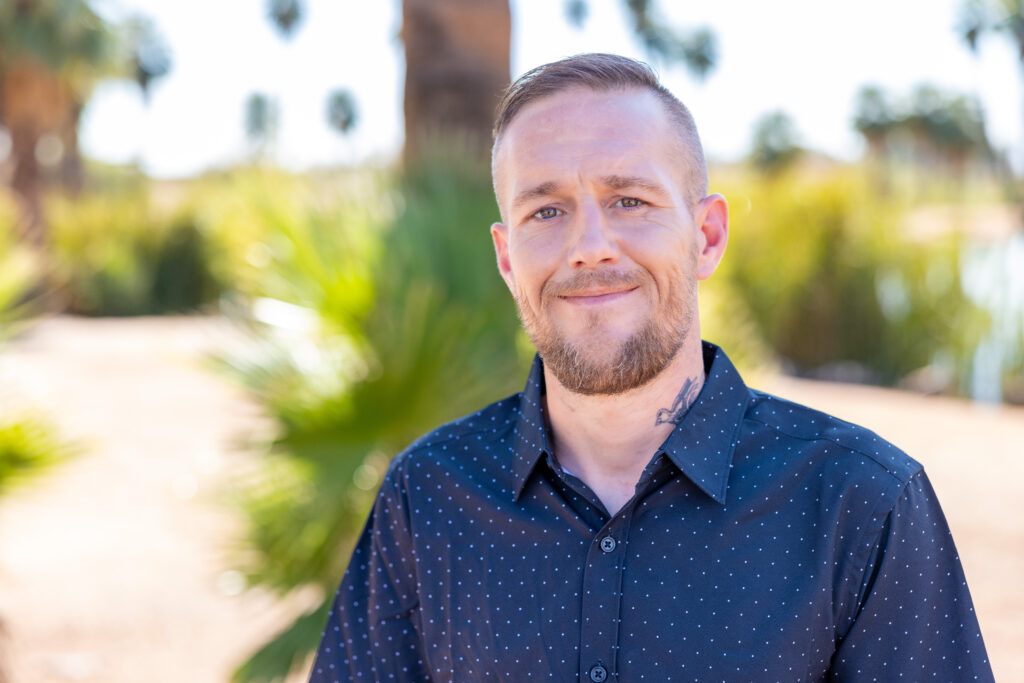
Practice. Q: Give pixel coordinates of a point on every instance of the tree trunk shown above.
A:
(26, 183)
(34, 101)
(72, 171)
(457, 65)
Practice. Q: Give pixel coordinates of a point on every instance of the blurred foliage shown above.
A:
(388, 319)
(776, 142)
(21, 270)
(342, 114)
(286, 16)
(827, 276)
(52, 54)
(934, 129)
(1003, 17)
(149, 56)
(65, 34)
(119, 255)
(695, 48)
(261, 120)
(29, 445)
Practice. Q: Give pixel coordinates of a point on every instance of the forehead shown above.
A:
(580, 131)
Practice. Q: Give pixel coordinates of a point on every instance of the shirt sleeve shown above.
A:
(915, 619)
(372, 631)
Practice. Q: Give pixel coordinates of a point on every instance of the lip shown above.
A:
(599, 296)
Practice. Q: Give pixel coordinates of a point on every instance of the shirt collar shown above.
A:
(531, 430)
(701, 446)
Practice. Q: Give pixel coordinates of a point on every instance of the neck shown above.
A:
(607, 440)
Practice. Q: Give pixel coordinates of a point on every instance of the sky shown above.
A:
(804, 57)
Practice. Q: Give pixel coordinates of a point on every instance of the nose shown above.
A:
(593, 242)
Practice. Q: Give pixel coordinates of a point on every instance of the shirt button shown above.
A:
(607, 544)
(598, 673)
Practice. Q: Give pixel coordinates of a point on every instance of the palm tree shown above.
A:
(457, 63)
(775, 143)
(1005, 17)
(874, 118)
(342, 114)
(52, 53)
(261, 117)
(1000, 17)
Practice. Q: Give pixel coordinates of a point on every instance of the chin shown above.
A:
(601, 342)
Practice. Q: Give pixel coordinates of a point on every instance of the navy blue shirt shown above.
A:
(765, 542)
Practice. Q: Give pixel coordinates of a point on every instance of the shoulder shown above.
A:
(800, 429)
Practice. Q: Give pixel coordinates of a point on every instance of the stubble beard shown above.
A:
(587, 367)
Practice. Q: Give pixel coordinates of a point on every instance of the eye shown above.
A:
(630, 202)
(547, 213)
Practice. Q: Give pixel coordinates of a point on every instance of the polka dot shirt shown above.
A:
(765, 541)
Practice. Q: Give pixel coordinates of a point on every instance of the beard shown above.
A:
(590, 367)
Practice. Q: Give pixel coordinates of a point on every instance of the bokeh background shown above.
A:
(244, 260)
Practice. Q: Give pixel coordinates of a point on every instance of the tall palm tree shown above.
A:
(52, 53)
(457, 62)
(457, 65)
(999, 17)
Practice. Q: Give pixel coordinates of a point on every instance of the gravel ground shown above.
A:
(115, 567)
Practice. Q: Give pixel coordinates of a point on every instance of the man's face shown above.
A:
(599, 247)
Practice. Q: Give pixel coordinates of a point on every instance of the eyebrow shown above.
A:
(542, 190)
(615, 182)
(618, 182)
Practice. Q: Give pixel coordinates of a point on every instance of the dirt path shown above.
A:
(114, 568)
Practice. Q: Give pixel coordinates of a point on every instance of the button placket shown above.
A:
(602, 600)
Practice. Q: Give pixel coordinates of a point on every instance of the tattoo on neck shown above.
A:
(684, 399)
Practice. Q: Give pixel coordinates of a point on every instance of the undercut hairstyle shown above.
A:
(602, 72)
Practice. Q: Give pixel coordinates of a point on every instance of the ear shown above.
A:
(499, 233)
(712, 219)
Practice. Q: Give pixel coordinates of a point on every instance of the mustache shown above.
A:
(592, 279)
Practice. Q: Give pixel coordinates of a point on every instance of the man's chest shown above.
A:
(668, 591)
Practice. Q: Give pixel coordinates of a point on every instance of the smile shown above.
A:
(600, 296)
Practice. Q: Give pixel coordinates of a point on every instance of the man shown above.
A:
(637, 513)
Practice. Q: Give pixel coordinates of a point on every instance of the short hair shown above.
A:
(603, 72)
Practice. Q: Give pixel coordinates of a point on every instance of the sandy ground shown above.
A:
(115, 567)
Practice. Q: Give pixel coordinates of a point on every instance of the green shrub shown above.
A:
(20, 273)
(824, 271)
(404, 323)
(115, 254)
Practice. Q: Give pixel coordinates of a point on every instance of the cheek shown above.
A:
(657, 245)
(669, 258)
(534, 259)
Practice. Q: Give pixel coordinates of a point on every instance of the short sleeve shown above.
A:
(915, 620)
(372, 631)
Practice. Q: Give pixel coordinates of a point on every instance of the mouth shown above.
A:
(597, 296)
